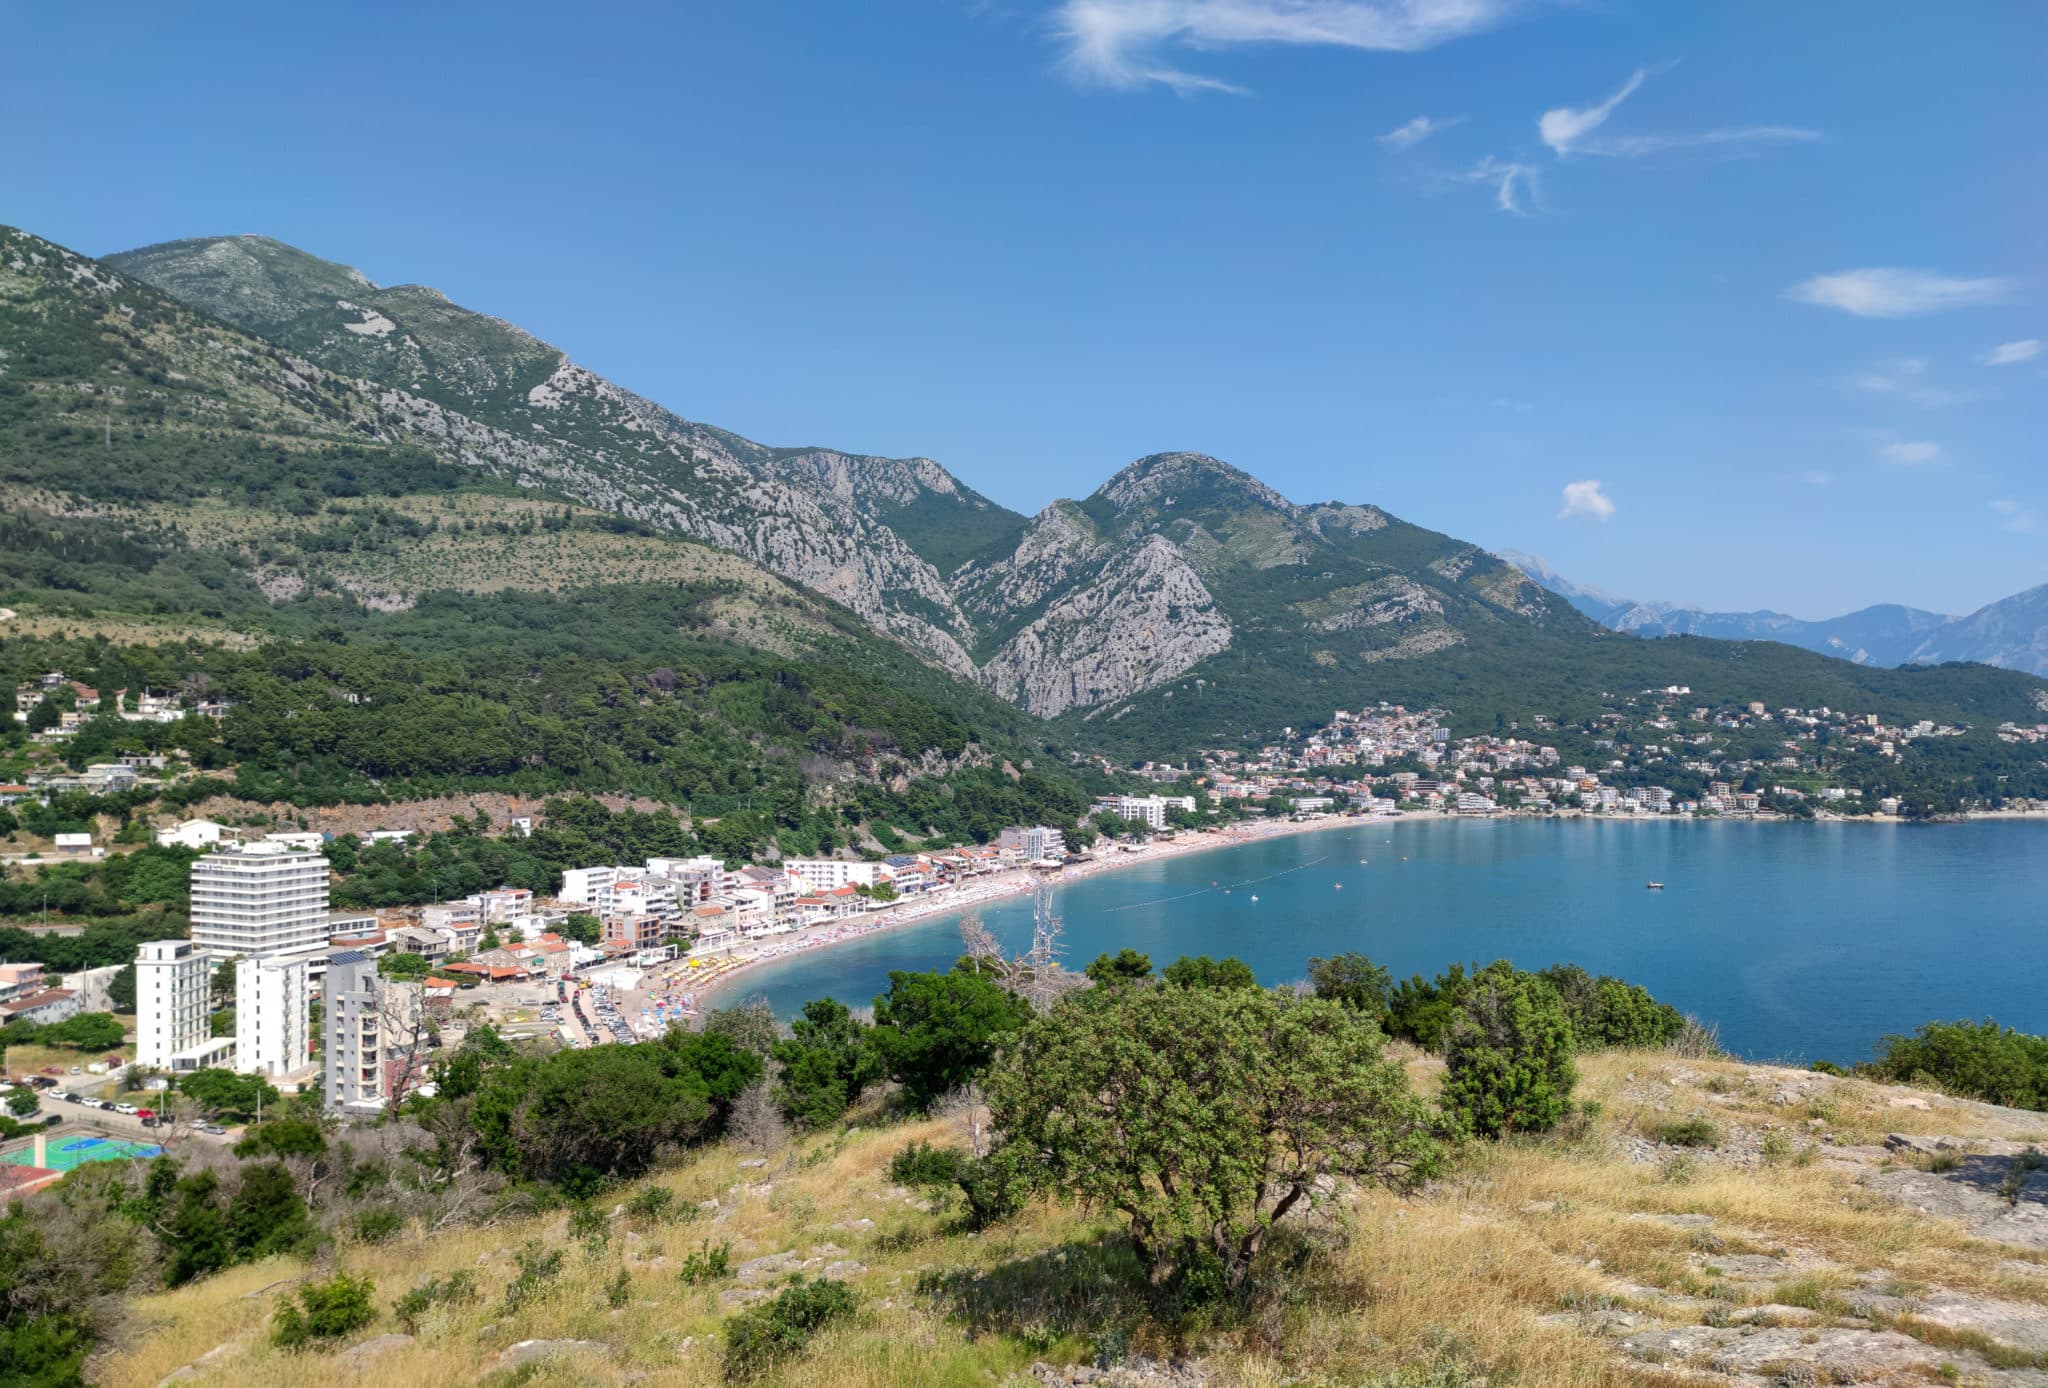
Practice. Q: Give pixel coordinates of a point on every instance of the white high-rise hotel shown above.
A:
(173, 1015)
(259, 898)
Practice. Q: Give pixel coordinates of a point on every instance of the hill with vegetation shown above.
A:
(420, 496)
(1172, 1178)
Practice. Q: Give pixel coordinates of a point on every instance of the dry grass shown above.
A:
(1486, 1271)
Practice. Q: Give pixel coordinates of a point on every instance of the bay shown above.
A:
(1800, 941)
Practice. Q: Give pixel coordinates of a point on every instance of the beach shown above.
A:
(686, 987)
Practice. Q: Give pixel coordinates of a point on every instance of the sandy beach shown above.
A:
(681, 990)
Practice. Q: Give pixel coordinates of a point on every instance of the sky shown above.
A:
(1739, 305)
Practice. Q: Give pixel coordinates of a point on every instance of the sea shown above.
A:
(1798, 941)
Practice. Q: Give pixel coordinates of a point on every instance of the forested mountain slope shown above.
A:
(380, 450)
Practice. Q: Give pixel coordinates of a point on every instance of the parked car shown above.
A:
(58, 1094)
(213, 1128)
(105, 1106)
(145, 1113)
(42, 1081)
(129, 1109)
(152, 1121)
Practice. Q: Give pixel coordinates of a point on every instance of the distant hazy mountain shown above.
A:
(2011, 633)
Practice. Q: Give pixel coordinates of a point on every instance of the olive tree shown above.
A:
(1205, 1115)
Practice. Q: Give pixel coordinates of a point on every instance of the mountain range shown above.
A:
(2011, 633)
(268, 425)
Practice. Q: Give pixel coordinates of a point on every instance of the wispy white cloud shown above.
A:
(1905, 378)
(1585, 499)
(1728, 140)
(1514, 184)
(1563, 127)
(1810, 477)
(1910, 452)
(1129, 43)
(1885, 292)
(1416, 131)
(2013, 353)
(1570, 130)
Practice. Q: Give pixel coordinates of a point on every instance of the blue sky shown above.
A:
(1771, 276)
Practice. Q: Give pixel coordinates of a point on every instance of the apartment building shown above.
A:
(259, 898)
(173, 1014)
(353, 1041)
(1033, 842)
(273, 997)
(825, 874)
(1149, 810)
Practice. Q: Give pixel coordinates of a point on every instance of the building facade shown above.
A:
(260, 898)
(173, 1017)
(352, 1035)
(273, 996)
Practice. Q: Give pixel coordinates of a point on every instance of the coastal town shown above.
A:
(353, 1004)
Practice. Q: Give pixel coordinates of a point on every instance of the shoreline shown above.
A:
(675, 979)
(1001, 886)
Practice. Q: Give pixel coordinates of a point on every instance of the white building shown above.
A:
(273, 1035)
(1149, 810)
(824, 874)
(261, 898)
(1036, 842)
(697, 880)
(173, 1019)
(581, 885)
(306, 842)
(193, 833)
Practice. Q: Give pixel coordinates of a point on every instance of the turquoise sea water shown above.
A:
(1801, 941)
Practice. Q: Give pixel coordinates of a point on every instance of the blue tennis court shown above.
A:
(70, 1153)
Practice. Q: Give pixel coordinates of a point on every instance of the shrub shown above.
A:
(706, 1263)
(324, 1311)
(652, 1205)
(457, 1289)
(1509, 1065)
(1354, 980)
(1200, 971)
(1689, 1132)
(922, 1164)
(375, 1226)
(1980, 1060)
(774, 1332)
(538, 1266)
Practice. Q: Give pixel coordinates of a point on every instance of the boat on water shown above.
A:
(1255, 896)
(1655, 886)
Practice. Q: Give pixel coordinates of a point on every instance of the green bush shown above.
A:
(539, 1265)
(375, 1226)
(457, 1289)
(922, 1164)
(324, 1311)
(652, 1205)
(1509, 1066)
(777, 1331)
(706, 1263)
(1689, 1132)
(1979, 1060)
